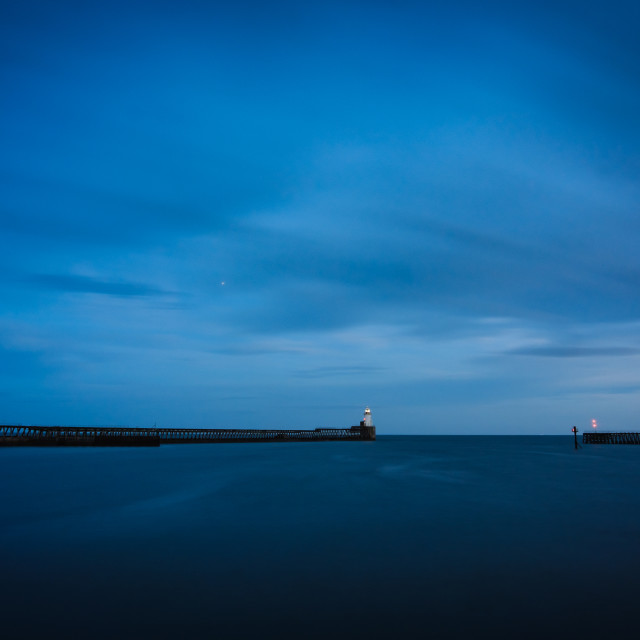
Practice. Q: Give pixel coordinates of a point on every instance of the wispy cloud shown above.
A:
(575, 352)
(332, 372)
(86, 284)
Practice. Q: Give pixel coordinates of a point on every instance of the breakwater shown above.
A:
(626, 437)
(13, 435)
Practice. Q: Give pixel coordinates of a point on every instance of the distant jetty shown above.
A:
(603, 437)
(13, 435)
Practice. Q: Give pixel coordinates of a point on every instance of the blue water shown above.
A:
(405, 537)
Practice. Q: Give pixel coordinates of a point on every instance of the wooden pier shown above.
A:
(12, 435)
(611, 438)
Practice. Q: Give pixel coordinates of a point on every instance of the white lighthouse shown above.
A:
(366, 430)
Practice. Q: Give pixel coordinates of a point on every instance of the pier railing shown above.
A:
(139, 436)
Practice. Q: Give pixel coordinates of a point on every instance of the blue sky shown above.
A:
(430, 208)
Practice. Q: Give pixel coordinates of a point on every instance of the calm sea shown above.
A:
(405, 537)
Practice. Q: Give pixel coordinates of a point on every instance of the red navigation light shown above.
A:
(594, 424)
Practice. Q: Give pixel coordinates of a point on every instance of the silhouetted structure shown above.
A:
(153, 437)
(575, 436)
(600, 437)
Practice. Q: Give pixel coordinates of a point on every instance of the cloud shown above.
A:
(252, 350)
(574, 352)
(422, 209)
(86, 284)
(331, 372)
(88, 209)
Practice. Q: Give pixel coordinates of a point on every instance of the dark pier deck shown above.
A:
(610, 438)
(11, 435)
